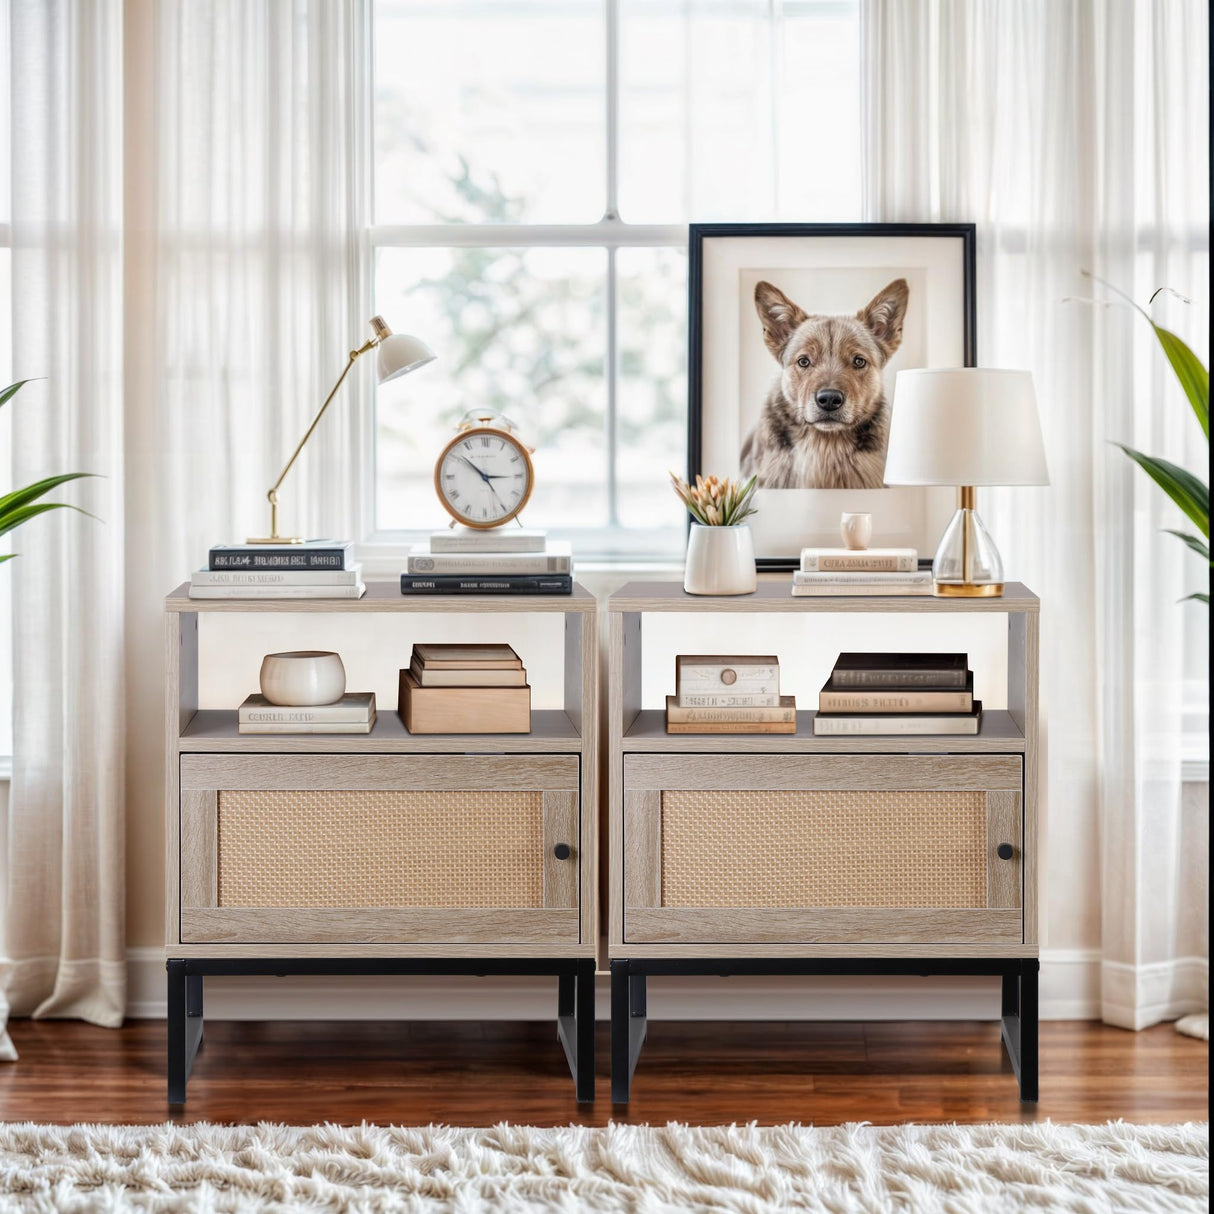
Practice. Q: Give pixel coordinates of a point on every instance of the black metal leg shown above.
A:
(629, 1027)
(1019, 1022)
(1011, 994)
(184, 1027)
(621, 1073)
(584, 1075)
(564, 995)
(1028, 1030)
(637, 995)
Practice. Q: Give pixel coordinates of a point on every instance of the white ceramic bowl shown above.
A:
(302, 678)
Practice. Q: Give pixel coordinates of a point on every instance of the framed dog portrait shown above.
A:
(796, 334)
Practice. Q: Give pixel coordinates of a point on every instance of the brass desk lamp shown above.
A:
(398, 355)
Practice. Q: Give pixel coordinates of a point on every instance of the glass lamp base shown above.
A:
(967, 563)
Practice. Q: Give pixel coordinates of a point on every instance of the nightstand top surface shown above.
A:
(384, 594)
(774, 593)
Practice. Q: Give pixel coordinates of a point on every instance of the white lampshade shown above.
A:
(399, 354)
(965, 426)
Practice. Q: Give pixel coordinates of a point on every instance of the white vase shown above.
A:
(720, 560)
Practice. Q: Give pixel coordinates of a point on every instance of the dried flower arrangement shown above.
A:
(715, 502)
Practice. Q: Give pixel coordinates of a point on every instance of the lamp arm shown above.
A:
(370, 344)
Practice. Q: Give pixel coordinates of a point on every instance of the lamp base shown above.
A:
(967, 590)
(967, 563)
(275, 539)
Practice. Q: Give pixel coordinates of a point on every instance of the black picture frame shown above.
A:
(698, 233)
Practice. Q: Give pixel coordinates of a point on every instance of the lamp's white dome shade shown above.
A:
(965, 426)
(399, 354)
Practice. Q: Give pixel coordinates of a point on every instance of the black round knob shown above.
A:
(561, 851)
(1005, 851)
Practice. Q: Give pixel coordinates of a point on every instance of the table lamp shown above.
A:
(965, 426)
(398, 355)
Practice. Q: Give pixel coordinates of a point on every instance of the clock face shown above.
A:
(483, 477)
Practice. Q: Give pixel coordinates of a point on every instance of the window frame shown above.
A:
(613, 544)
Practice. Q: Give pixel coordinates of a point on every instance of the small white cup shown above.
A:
(302, 678)
(857, 530)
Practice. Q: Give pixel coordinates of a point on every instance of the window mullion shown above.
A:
(612, 210)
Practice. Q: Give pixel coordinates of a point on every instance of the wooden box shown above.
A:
(463, 709)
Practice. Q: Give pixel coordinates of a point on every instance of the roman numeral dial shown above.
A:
(484, 476)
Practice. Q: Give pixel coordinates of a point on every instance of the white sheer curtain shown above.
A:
(1074, 132)
(243, 300)
(61, 857)
(262, 201)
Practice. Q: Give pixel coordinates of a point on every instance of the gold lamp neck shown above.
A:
(967, 498)
(379, 330)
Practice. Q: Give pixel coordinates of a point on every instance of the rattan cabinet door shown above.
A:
(827, 849)
(379, 849)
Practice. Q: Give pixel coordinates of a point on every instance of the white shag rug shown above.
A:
(988, 1169)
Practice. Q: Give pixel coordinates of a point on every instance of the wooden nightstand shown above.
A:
(798, 854)
(383, 853)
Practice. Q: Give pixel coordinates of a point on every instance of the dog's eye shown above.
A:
(802, 361)
(859, 362)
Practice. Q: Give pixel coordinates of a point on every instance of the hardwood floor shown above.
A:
(706, 1073)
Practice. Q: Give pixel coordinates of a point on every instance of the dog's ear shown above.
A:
(780, 316)
(884, 313)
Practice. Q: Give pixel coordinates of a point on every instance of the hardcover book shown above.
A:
(745, 699)
(427, 677)
(937, 671)
(861, 589)
(677, 714)
(851, 578)
(278, 592)
(277, 577)
(311, 554)
(824, 560)
(466, 657)
(470, 584)
(497, 539)
(835, 699)
(307, 727)
(900, 723)
(355, 707)
(558, 558)
(695, 720)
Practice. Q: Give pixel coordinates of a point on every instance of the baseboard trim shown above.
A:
(1070, 990)
(1137, 996)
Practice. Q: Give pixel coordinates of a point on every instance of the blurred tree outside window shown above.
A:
(536, 163)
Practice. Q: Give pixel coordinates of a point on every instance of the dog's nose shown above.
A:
(829, 399)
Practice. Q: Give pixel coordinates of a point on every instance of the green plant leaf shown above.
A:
(1192, 541)
(22, 497)
(24, 513)
(1201, 598)
(1193, 377)
(12, 391)
(1179, 484)
(8, 556)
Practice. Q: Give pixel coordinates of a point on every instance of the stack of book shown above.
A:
(505, 560)
(901, 693)
(315, 569)
(353, 713)
(729, 695)
(864, 571)
(465, 689)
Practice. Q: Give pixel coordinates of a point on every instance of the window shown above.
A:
(536, 163)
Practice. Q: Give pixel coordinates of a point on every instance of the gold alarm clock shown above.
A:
(484, 475)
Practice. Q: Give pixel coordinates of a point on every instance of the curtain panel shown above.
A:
(61, 859)
(1075, 134)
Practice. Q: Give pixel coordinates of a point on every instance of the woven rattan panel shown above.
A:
(819, 849)
(381, 849)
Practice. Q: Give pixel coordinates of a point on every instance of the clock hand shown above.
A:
(474, 468)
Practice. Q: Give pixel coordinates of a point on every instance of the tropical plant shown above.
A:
(717, 503)
(1181, 485)
(21, 505)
